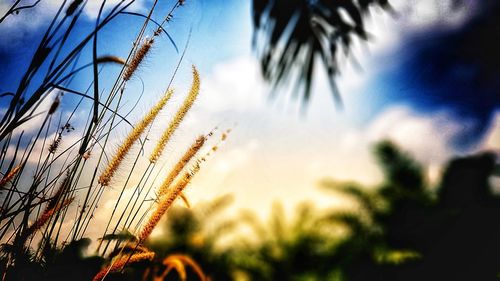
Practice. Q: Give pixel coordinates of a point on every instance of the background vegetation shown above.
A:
(402, 229)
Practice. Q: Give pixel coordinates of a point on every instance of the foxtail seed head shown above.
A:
(138, 58)
(179, 116)
(166, 202)
(42, 220)
(181, 164)
(121, 262)
(55, 144)
(107, 175)
(10, 175)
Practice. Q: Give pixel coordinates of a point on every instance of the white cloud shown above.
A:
(417, 14)
(274, 154)
(33, 125)
(235, 85)
(492, 139)
(17, 26)
(92, 8)
(428, 137)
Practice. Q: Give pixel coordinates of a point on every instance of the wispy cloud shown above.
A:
(274, 154)
(19, 27)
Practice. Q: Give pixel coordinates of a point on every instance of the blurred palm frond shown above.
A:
(292, 33)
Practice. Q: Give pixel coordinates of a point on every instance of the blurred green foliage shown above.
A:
(402, 229)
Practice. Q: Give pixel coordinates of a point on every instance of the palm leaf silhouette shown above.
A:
(293, 32)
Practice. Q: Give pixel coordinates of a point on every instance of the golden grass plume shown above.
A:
(179, 116)
(42, 220)
(179, 262)
(107, 175)
(10, 175)
(59, 193)
(138, 58)
(121, 262)
(166, 202)
(110, 59)
(181, 164)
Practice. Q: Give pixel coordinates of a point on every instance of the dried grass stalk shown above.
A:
(121, 262)
(55, 144)
(110, 59)
(181, 164)
(166, 201)
(56, 197)
(55, 104)
(178, 262)
(42, 220)
(107, 175)
(138, 58)
(179, 116)
(185, 200)
(10, 175)
(129, 248)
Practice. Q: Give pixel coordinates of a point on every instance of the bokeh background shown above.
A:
(280, 148)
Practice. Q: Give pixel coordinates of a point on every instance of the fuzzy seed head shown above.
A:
(181, 164)
(107, 175)
(121, 262)
(138, 58)
(10, 175)
(166, 202)
(55, 144)
(42, 220)
(179, 116)
(54, 105)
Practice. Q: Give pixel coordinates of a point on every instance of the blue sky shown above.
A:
(274, 153)
(217, 30)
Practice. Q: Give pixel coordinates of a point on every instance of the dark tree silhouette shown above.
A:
(452, 231)
(457, 69)
(65, 263)
(294, 32)
(193, 232)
